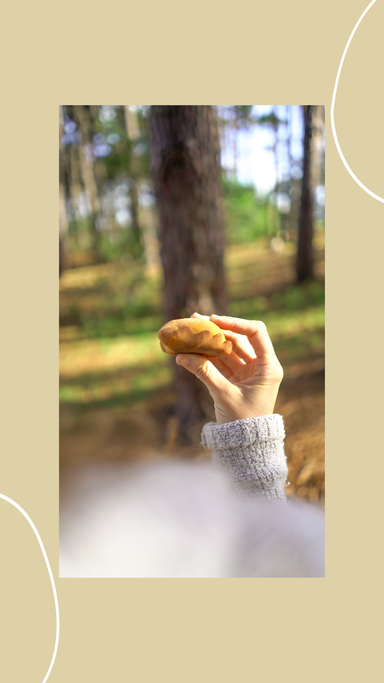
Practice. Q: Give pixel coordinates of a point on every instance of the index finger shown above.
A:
(240, 344)
(255, 330)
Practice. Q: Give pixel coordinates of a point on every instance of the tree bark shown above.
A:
(84, 122)
(133, 195)
(305, 259)
(276, 213)
(63, 218)
(185, 167)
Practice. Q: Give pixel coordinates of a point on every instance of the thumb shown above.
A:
(205, 371)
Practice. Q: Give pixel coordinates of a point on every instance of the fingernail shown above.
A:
(184, 361)
(228, 318)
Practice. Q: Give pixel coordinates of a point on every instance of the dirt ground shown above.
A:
(147, 429)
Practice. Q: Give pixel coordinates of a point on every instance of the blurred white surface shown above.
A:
(180, 519)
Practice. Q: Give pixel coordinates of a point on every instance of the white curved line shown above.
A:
(12, 502)
(351, 173)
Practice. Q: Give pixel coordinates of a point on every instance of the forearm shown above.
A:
(251, 451)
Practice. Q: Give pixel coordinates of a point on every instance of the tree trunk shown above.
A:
(185, 167)
(133, 195)
(77, 186)
(317, 149)
(63, 218)
(276, 213)
(305, 259)
(84, 122)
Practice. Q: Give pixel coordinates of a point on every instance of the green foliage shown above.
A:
(123, 243)
(119, 160)
(119, 322)
(271, 118)
(79, 237)
(245, 219)
(299, 297)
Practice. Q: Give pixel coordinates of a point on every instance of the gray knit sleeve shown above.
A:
(251, 451)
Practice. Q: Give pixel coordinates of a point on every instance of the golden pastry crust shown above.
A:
(193, 335)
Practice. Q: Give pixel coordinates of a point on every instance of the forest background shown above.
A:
(120, 399)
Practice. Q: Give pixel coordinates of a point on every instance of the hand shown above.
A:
(245, 383)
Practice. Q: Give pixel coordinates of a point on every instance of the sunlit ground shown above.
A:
(115, 382)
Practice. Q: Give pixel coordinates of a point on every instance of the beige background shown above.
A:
(194, 53)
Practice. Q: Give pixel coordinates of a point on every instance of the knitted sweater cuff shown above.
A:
(251, 451)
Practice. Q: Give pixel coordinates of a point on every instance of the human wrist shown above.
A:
(243, 409)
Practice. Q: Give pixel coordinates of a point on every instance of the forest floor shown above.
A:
(116, 397)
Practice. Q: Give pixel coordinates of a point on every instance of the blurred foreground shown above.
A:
(181, 519)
